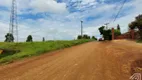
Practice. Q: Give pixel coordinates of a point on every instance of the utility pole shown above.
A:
(81, 28)
(106, 25)
(13, 26)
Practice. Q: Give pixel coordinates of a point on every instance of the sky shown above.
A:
(60, 19)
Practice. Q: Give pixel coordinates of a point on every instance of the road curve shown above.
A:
(89, 61)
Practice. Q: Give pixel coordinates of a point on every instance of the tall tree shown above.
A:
(137, 24)
(9, 37)
(101, 29)
(118, 27)
(29, 39)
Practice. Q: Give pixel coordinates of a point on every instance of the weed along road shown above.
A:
(90, 61)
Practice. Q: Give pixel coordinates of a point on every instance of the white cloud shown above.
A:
(124, 21)
(48, 6)
(36, 5)
(6, 3)
(65, 26)
(4, 27)
(88, 1)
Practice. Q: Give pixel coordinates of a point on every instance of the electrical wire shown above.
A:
(119, 10)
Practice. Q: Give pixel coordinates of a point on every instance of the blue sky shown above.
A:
(60, 19)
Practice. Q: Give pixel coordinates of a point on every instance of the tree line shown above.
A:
(85, 36)
(10, 38)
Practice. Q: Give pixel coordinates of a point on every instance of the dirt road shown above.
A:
(89, 61)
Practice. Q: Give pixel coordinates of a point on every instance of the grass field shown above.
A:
(34, 48)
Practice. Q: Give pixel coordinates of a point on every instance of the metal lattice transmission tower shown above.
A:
(13, 27)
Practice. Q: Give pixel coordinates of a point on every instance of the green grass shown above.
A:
(139, 41)
(34, 48)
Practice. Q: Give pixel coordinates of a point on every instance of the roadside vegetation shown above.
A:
(85, 36)
(107, 33)
(139, 41)
(27, 49)
(137, 24)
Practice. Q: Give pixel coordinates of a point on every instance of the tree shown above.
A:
(117, 32)
(9, 37)
(83, 37)
(132, 25)
(79, 37)
(101, 29)
(106, 33)
(94, 38)
(137, 24)
(29, 39)
(88, 37)
(43, 39)
(118, 27)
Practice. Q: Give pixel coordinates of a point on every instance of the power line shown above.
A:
(119, 10)
(116, 15)
(113, 15)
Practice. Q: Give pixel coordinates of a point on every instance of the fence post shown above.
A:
(132, 34)
(112, 31)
